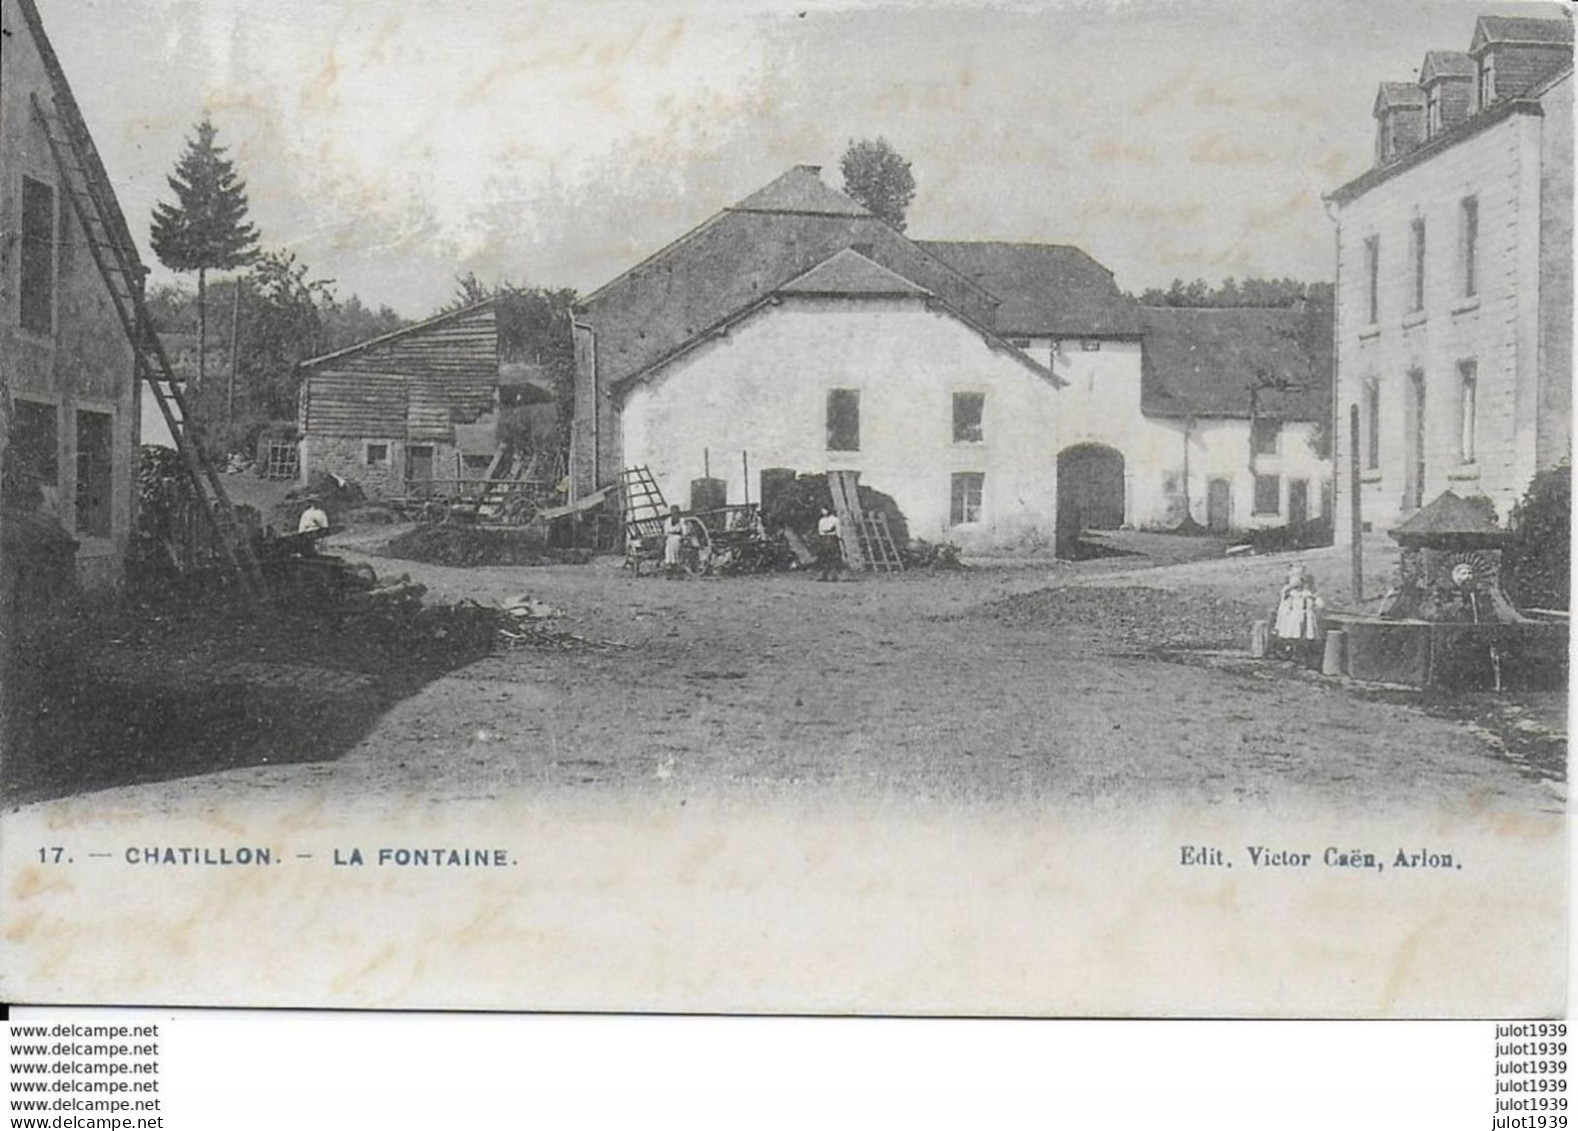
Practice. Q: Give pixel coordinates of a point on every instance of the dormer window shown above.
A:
(1487, 80)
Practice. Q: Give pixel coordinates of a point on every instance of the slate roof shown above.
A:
(1446, 65)
(850, 273)
(1203, 361)
(801, 190)
(1520, 29)
(1527, 103)
(1448, 514)
(1045, 289)
(743, 254)
(1399, 96)
(792, 236)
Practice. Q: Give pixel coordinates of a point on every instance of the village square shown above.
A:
(806, 493)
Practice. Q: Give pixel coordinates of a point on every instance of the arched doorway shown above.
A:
(1090, 486)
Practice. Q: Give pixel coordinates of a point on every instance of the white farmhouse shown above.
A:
(794, 330)
(1238, 403)
(984, 386)
(1454, 278)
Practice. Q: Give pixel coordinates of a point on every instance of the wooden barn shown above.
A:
(417, 412)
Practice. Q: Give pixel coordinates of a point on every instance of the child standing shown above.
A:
(1297, 626)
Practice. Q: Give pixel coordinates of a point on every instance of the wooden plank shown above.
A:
(845, 489)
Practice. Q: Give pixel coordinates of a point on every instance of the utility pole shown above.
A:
(235, 327)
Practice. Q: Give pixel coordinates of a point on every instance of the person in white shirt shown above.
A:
(313, 518)
(829, 550)
(673, 543)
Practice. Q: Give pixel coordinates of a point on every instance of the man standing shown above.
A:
(829, 549)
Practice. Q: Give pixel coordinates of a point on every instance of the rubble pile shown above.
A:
(456, 544)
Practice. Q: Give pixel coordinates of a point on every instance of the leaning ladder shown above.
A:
(640, 496)
(86, 186)
(844, 486)
(880, 550)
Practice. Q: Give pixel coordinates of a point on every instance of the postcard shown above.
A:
(945, 509)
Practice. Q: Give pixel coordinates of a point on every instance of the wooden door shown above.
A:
(1218, 504)
(1298, 501)
(419, 468)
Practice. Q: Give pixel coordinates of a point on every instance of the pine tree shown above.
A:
(205, 229)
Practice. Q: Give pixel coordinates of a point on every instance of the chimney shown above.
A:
(814, 170)
(1399, 120)
(1447, 78)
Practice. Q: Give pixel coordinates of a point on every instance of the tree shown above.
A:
(879, 178)
(534, 327)
(285, 325)
(205, 229)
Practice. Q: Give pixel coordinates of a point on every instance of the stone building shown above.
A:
(69, 381)
(1454, 278)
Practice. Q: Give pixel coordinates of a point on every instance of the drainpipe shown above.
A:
(1356, 551)
(591, 337)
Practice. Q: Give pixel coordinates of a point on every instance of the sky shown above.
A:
(395, 144)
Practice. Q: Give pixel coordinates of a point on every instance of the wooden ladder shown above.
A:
(844, 486)
(639, 495)
(496, 492)
(880, 549)
(87, 188)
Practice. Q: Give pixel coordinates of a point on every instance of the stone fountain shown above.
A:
(1447, 622)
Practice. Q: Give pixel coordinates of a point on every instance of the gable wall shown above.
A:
(85, 363)
(762, 390)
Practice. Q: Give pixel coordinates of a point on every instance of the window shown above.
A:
(377, 456)
(1019, 343)
(35, 438)
(966, 504)
(1433, 110)
(1468, 408)
(1416, 239)
(843, 420)
(1468, 224)
(1372, 274)
(1263, 434)
(1372, 423)
(38, 256)
(95, 473)
(1090, 345)
(1268, 494)
(1487, 81)
(968, 409)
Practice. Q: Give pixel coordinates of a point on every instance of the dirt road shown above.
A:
(947, 686)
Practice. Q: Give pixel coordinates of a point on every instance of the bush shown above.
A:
(1536, 571)
(1294, 536)
(921, 554)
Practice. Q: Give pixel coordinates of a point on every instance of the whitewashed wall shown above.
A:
(1497, 328)
(762, 388)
